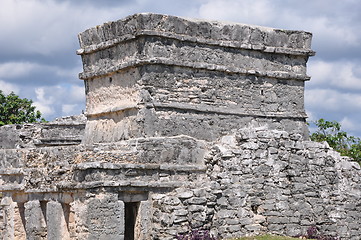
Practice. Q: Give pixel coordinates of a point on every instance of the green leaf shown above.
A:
(14, 110)
(330, 132)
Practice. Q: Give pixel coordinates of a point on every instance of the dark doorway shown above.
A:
(131, 213)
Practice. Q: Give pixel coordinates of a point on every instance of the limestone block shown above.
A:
(104, 217)
(62, 131)
(19, 222)
(35, 218)
(57, 215)
(143, 225)
(8, 207)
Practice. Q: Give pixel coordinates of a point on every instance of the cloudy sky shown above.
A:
(38, 40)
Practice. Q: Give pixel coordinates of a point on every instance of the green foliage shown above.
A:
(330, 131)
(14, 110)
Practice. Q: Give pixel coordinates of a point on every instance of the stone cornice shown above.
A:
(224, 34)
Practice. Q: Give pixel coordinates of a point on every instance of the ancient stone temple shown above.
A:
(190, 124)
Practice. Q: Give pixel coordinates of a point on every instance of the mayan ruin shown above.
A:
(189, 124)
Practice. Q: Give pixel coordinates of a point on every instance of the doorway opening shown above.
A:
(131, 214)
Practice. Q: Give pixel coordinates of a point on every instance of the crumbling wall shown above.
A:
(85, 183)
(61, 131)
(250, 181)
(65, 131)
(260, 181)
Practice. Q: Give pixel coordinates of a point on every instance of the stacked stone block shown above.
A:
(61, 131)
(260, 181)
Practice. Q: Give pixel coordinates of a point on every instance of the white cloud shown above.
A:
(44, 108)
(331, 28)
(12, 70)
(77, 93)
(8, 87)
(339, 74)
(332, 100)
(22, 77)
(348, 124)
(17, 69)
(247, 11)
(40, 96)
(51, 101)
(68, 72)
(47, 27)
(68, 109)
(324, 27)
(55, 101)
(42, 103)
(320, 71)
(311, 116)
(332, 104)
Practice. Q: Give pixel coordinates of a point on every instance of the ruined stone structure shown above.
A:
(190, 124)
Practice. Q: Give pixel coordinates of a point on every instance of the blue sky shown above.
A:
(39, 39)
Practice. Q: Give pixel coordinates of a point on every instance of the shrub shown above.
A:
(330, 131)
(15, 110)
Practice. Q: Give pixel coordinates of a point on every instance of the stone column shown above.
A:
(19, 222)
(57, 220)
(35, 218)
(143, 224)
(121, 219)
(105, 217)
(8, 208)
(13, 219)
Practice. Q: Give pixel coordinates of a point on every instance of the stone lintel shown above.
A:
(44, 195)
(131, 196)
(167, 167)
(125, 185)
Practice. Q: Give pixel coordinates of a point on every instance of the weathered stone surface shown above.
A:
(35, 219)
(190, 124)
(57, 215)
(61, 131)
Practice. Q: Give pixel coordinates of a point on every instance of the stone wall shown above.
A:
(258, 181)
(251, 181)
(65, 131)
(93, 184)
(190, 124)
(61, 131)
